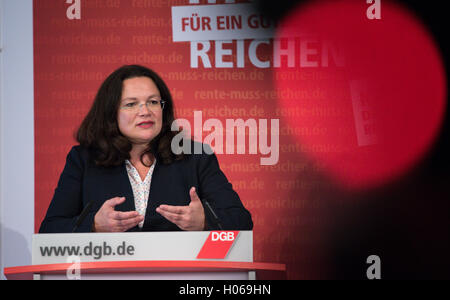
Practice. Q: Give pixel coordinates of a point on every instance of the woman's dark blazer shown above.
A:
(82, 181)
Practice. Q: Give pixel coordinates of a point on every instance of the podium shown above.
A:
(206, 255)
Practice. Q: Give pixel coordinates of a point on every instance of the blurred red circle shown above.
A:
(368, 94)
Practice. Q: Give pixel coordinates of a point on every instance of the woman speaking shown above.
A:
(124, 176)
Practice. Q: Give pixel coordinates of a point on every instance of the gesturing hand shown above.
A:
(191, 217)
(109, 220)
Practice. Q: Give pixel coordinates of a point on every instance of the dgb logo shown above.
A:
(223, 236)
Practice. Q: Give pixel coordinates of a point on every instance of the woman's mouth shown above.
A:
(146, 124)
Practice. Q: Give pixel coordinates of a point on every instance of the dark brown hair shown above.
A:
(99, 131)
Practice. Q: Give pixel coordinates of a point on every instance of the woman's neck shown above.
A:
(135, 155)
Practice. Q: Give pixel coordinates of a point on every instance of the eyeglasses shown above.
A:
(152, 104)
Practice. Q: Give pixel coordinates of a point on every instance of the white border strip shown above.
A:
(17, 134)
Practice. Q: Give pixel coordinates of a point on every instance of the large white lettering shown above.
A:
(305, 53)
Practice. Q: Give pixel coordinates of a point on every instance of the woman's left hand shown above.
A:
(190, 218)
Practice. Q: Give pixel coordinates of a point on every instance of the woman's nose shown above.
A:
(144, 109)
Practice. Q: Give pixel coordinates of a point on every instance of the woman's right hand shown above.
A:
(109, 220)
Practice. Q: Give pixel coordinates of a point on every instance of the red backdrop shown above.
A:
(290, 201)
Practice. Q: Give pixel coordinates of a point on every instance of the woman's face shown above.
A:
(140, 113)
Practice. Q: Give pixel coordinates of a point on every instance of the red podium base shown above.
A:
(212, 270)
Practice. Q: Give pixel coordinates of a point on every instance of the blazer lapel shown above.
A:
(154, 195)
(122, 184)
(166, 188)
(160, 187)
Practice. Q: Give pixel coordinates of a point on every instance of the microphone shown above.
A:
(83, 215)
(215, 217)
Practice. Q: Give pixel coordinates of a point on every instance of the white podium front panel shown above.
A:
(164, 246)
